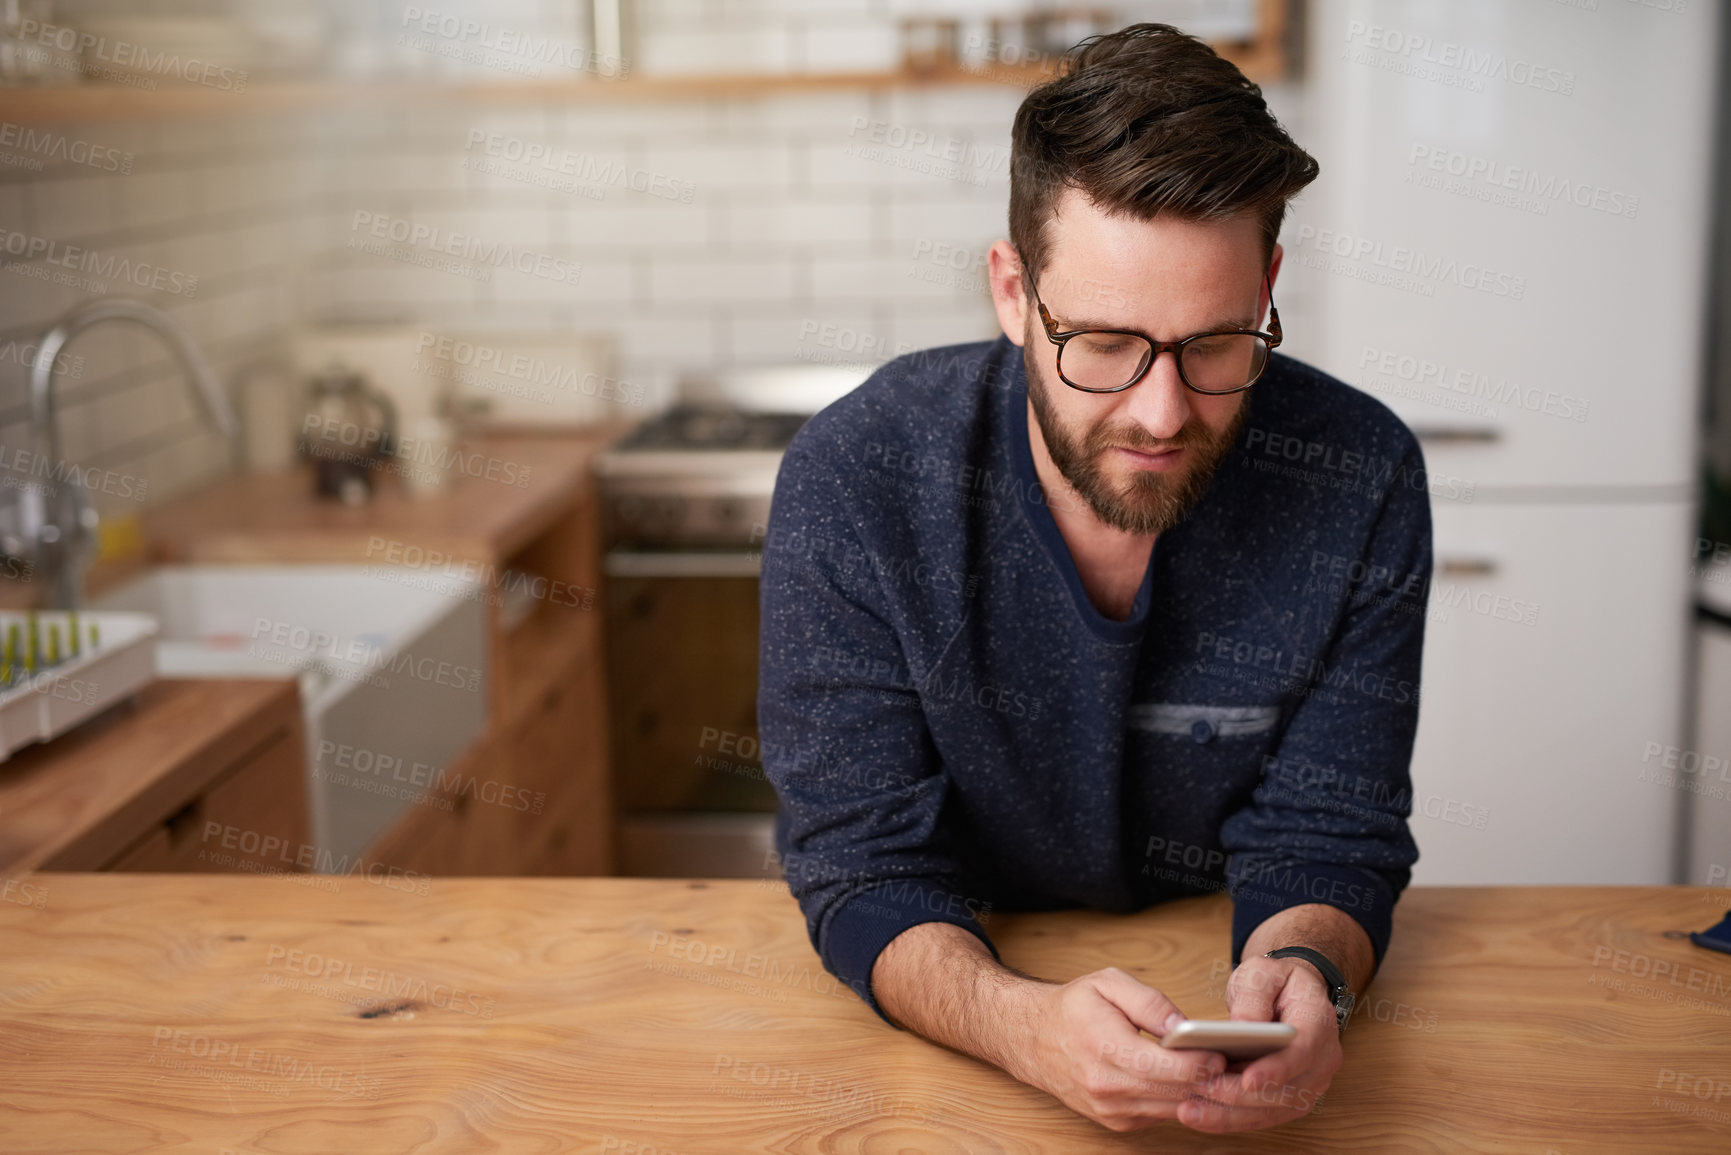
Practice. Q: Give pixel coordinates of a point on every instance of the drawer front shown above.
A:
(557, 762)
(533, 800)
(433, 840)
(171, 847)
(253, 819)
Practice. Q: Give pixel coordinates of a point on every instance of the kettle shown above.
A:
(350, 429)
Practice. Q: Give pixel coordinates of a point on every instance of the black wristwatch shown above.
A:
(1338, 992)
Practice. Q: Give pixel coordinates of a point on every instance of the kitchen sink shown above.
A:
(393, 679)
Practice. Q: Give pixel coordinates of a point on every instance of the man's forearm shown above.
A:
(1320, 927)
(942, 983)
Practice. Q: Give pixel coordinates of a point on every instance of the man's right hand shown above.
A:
(1086, 1051)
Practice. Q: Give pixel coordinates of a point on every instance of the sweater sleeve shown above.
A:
(844, 736)
(1327, 822)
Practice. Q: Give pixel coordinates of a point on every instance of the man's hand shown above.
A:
(1086, 1052)
(1286, 1085)
(1078, 1042)
(1081, 1041)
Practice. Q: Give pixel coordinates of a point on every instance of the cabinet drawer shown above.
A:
(532, 797)
(535, 799)
(560, 752)
(434, 840)
(171, 847)
(253, 819)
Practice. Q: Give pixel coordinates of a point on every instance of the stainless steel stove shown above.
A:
(685, 504)
(697, 479)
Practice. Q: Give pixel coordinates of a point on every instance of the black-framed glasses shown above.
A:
(1112, 360)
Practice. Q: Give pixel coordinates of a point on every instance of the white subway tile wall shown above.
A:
(827, 226)
(206, 219)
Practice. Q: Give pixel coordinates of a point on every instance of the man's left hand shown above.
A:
(1285, 1085)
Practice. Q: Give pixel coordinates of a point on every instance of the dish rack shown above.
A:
(60, 667)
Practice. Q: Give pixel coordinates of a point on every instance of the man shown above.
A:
(1061, 619)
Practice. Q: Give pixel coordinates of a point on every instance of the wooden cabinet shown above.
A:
(535, 795)
(535, 551)
(435, 840)
(532, 798)
(564, 745)
(188, 774)
(253, 819)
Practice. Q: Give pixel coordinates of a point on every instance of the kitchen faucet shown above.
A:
(56, 520)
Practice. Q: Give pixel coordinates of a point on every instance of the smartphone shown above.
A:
(1234, 1040)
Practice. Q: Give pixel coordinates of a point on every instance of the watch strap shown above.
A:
(1338, 992)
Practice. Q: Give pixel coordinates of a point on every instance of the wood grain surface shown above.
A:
(265, 518)
(318, 1014)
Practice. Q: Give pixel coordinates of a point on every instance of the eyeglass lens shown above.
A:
(1216, 363)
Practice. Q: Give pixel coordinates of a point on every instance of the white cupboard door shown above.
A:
(1705, 767)
(1508, 240)
(1553, 672)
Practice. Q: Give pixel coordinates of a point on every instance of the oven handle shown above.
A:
(695, 563)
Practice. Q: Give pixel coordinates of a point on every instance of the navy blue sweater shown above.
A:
(953, 729)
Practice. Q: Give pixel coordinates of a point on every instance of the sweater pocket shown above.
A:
(1201, 723)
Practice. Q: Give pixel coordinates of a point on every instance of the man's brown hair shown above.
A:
(1150, 120)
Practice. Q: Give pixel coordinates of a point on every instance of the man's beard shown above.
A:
(1154, 502)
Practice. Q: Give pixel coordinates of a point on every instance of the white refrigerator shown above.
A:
(1509, 245)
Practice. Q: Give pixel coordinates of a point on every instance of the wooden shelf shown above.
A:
(1262, 61)
(106, 102)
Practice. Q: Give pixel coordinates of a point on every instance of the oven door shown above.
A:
(682, 637)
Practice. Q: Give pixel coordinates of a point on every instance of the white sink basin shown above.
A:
(393, 678)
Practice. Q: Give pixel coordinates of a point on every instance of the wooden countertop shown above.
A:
(65, 803)
(506, 491)
(202, 1013)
